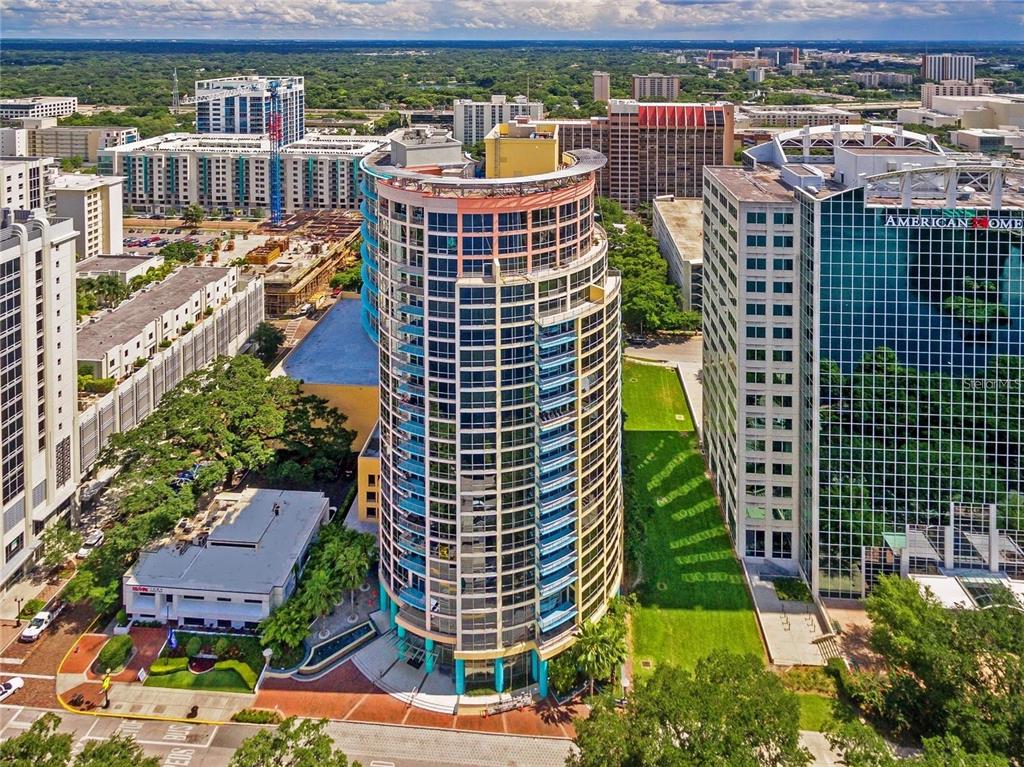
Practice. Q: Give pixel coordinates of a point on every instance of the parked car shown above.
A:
(39, 624)
(94, 539)
(335, 292)
(12, 685)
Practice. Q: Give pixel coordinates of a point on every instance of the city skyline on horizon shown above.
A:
(548, 20)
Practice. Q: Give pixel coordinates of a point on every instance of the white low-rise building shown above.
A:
(125, 267)
(38, 106)
(678, 227)
(232, 567)
(112, 341)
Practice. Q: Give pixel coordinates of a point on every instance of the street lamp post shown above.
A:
(17, 618)
(267, 655)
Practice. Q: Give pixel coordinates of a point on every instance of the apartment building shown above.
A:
(500, 503)
(475, 119)
(602, 86)
(26, 183)
(43, 137)
(859, 282)
(242, 105)
(38, 461)
(655, 87)
(232, 172)
(222, 333)
(947, 66)
(111, 341)
(38, 106)
(792, 116)
(653, 149)
(882, 79)
(93, 203)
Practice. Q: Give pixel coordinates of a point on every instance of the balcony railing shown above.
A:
(558, 615)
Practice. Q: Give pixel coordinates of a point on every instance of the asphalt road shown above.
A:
(374, 745)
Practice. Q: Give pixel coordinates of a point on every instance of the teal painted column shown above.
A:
(542, 678)
(428, 647)
(534, 662)
(394, 612)
(460, 677)
(499, 674)
(401, 643)
(384, 600)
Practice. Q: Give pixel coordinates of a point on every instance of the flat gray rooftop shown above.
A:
(759, 186)
(251, 549)
(336, 351)
(111, 263)
(126, 321)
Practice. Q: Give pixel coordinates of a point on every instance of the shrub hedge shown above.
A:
(256, 716)
(243, 670)
(115, 652)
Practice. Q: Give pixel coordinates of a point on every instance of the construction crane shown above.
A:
(275, 130)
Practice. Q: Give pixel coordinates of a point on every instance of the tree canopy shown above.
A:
(729, 711)
(227, 418)
(956, 673)
(42, 746)
(649, 301)
(268, 339)
(295, 743)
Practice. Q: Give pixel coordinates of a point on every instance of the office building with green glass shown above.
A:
(864, 357)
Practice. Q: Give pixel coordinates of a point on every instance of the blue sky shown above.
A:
(519, 19)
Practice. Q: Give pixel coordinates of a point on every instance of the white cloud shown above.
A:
(496, 18)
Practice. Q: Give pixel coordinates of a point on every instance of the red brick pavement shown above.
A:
(347, 695)
(44, 655)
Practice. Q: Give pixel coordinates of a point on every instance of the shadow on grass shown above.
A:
(687, 558)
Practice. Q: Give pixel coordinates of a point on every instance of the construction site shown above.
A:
(298, 257)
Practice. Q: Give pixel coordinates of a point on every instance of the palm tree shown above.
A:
(351, 569)
(597, 651)
(318, 592)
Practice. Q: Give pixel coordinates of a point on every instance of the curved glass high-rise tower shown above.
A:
(498, 323)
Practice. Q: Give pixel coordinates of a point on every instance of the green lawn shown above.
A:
(818, 711)
(217, 680)
(653, 399)
(693, 599)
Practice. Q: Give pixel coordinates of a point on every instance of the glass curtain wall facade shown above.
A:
(864, 357)
(919, 407)
(497, 319)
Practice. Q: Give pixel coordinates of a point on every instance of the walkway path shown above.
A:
(345, 694)
(790, 628)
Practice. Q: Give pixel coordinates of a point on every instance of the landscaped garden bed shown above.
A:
(222, 662)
